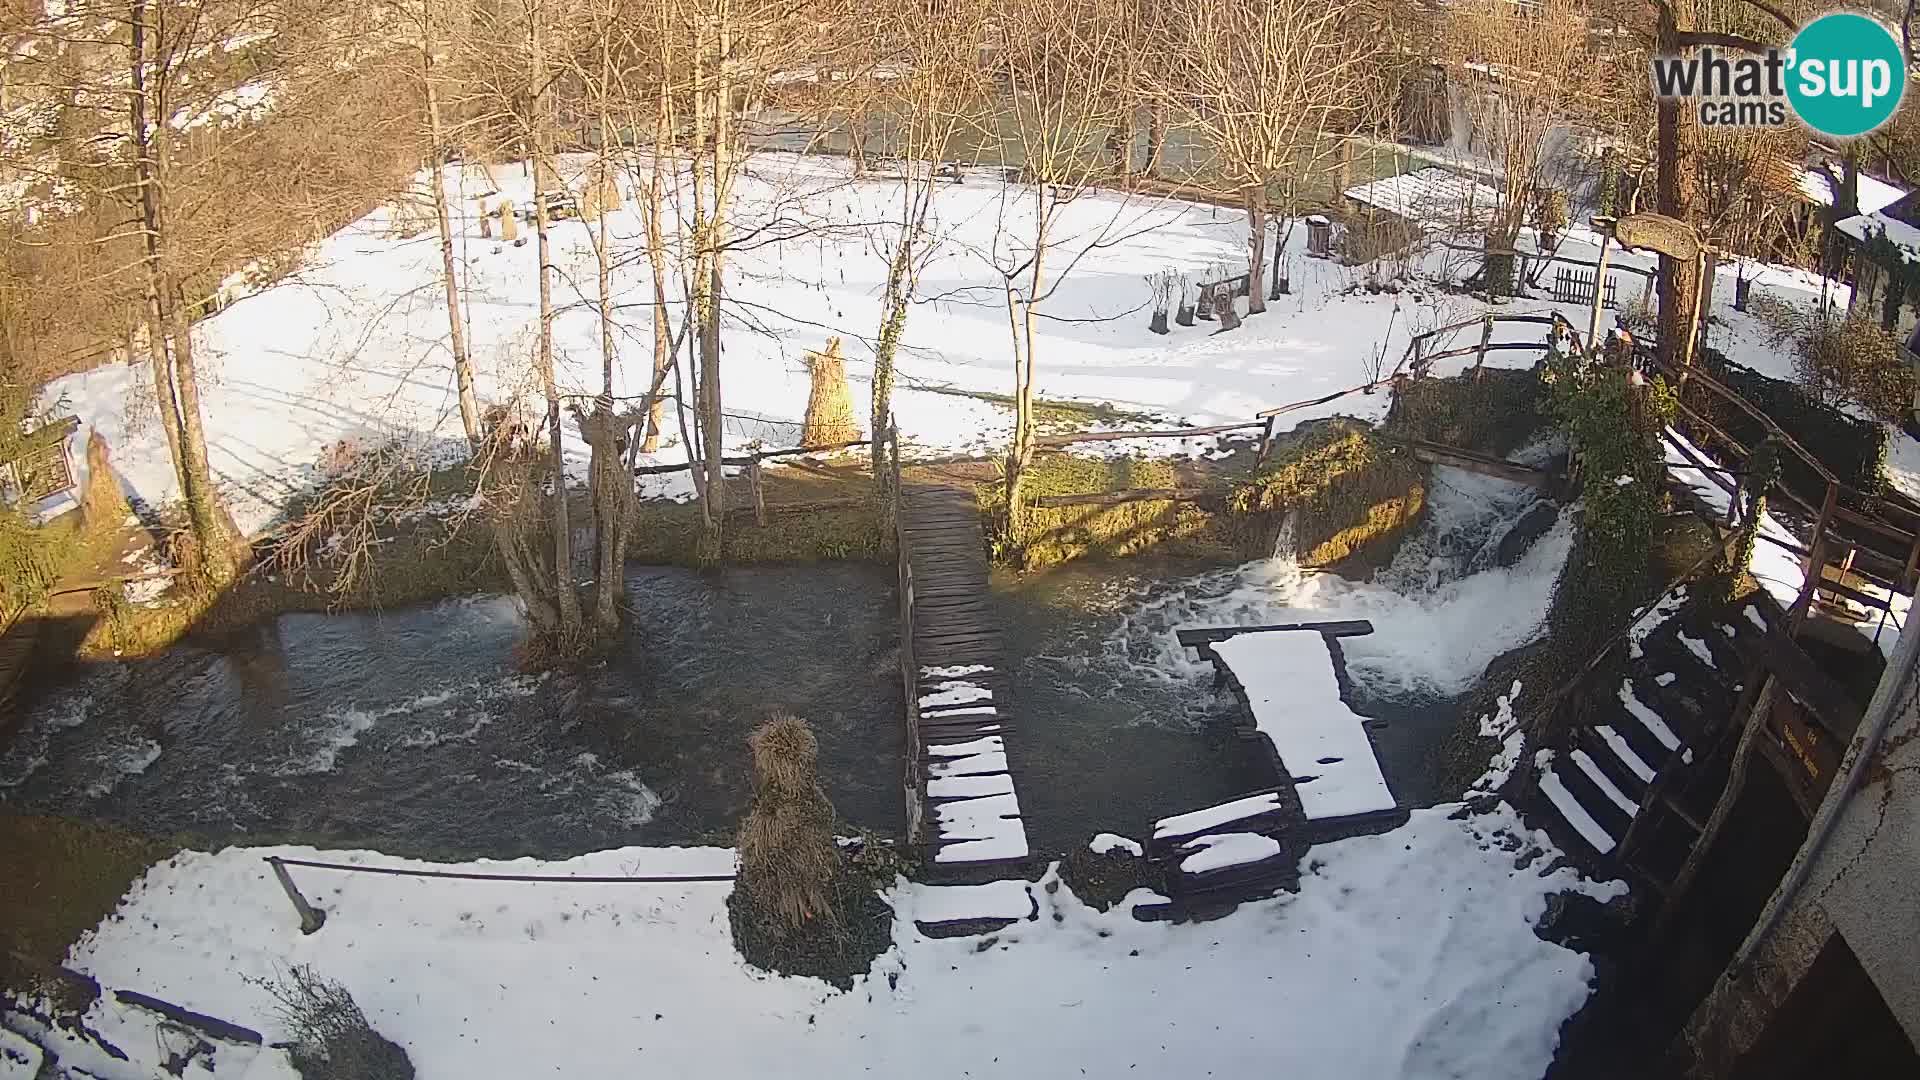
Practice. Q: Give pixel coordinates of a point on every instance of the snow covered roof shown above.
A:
(1432, 195)
(1888, 220)
(1875, 195)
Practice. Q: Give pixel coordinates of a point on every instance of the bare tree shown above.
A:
(1057, 66)
(1528, 71)
(1267, 84)
(930, 90)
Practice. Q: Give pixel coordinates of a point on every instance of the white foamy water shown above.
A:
(1440, 612)
(121, 762)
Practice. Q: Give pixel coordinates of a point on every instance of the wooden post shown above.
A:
(311, 918)
(1709, 265)
(1693, 323)
(1266, 443)
(1599, 284)
(1416, 347)
(759, 492)
(1736, 783)
(1486, 338)
(1913, 565)
(1816, 561)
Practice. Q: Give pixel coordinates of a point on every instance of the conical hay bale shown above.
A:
(788, 858)
(829, 417)
(102, 504)
(509, 225)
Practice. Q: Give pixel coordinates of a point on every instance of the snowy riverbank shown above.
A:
(1410, 954)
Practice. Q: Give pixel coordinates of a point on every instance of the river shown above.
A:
(413, 732)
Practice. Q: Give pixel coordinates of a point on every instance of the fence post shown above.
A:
(1600, 283)
(1486, 338)
(1266, 442)
(759, 493)
(311, 918)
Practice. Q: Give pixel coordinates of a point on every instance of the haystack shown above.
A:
(788, 859)
(102, 505)
(829, 407)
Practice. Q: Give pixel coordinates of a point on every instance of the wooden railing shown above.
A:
(1839, 540)
(909, 665)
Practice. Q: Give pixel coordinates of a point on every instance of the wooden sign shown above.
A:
(1658, 232)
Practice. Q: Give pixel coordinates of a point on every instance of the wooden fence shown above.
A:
(1577, 287)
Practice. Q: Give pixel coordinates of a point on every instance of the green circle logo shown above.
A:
(1845, 74)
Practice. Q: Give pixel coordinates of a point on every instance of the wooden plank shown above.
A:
(1194, 637)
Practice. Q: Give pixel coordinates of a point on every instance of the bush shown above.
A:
(1614, 427)
(331, 1038)
(28, 564)
(1550, 214)
(1495, 413)
(1854, 449)
(1848, 359)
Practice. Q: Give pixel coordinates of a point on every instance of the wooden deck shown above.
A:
(961, 790)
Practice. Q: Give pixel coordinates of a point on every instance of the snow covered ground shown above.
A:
(1410, 954)
(353, 348)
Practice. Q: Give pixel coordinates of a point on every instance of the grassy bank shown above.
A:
(63, 877)
(1045, 536)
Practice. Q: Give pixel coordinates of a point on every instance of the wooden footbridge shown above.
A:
(959, 787)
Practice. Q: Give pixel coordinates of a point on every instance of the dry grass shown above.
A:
(788, 858)
(829, 420)
(1046, 536)
(102, 504)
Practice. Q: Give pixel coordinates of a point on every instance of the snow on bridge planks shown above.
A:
(960, 690)
(1287, 678)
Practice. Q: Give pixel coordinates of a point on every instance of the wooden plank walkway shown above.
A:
(958, 706)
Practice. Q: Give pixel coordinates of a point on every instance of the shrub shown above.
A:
(1550, 214)
(1494, 413)
(28, 563)
(1853, 448)
(331, 1038)
(1848, 359)
(1614, 427)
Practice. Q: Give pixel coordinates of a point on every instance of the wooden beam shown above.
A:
(1194, 637)
(1114, 498)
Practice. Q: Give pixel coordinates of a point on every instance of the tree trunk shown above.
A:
(1256, 195)
(175, 381)
(566, 600)
(893, 324)
(165, 400)
(203, 509)
(450, 282)
(1676, 166)
(703, 301)
(715, 433)
(657, 260)
(1020, 319)
(1156, 138)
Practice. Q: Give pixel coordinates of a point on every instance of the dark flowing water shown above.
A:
(412, 732)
